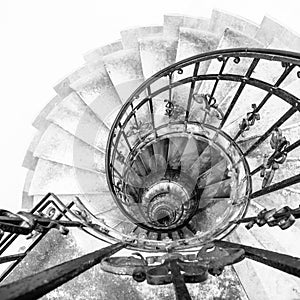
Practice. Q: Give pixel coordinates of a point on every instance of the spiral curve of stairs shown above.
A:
(209, 174)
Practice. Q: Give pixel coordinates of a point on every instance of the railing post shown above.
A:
(37, 285)
(181, 290)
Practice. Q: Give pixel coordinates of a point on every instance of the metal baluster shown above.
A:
(283, 262)
(37, 285)
(276, 186)
(192, 88)
(239, 91)
(286, 72)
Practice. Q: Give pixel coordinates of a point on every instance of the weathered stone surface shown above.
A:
(60, 146)
(172, 23)
(62, 88)
(270, 29)
(40, 121)
(259, 281)
(62, 179)
(220, 20)
(73, 115)
(125, 70)
(99, 93)
(131, 36)
(98, 53)
(157, 53)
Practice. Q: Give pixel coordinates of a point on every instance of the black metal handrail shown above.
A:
(144, 96)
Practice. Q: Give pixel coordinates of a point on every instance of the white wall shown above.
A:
(43, 40)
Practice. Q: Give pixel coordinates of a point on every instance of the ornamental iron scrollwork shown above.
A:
(250, 119)
(283, 218)
(26, 223)
(173, 110)
(279, 143)
(157, 270)
(210, 105)
(138, 128)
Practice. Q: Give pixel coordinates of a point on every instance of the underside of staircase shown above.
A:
(166, 137)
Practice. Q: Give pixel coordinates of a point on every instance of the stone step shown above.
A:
(220, 20)
(125, 70)
(116, 220)
(176, 149)
(264, 282)
(27, 200)
(270, 29)
(220, 189)
(192, 42)
(74, 116)
(30, 161)
(157, 53)
(212, 214)
(215, 174)
(62, 179)
(98, 53)
(41, 122)
(131, 36)
(190, 154)
(173, 22)
(60, 146)
(99, 93)
(62, 88)
(207, 159)
(160, 150)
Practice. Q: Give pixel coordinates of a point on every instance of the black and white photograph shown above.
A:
(150, 150)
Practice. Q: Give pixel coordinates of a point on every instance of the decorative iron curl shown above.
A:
(279, 143)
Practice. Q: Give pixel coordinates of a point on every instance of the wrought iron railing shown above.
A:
(203, 97)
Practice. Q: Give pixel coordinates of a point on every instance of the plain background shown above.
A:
(43, 40)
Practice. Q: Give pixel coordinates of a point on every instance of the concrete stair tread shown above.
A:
(62, 88)
(270, 29)
(215, 174)
(73, 115)
(172, 22)
(40, 121)
(60, 146)
(30, 161)
(220, 20)
(97, 54)
(275, 284)
(62, 179)
(220, 189)
(194, 41)
(157, 53)
(176, 149)
(99, 93)
(125, 70)
(131, 36)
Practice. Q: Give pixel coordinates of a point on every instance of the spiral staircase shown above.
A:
(170, 135)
